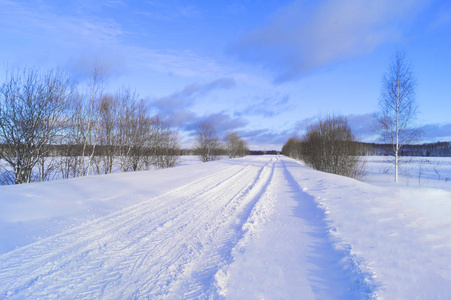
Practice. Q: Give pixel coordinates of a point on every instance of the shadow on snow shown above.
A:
(336, 271)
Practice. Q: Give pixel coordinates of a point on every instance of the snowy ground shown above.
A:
(261, 227)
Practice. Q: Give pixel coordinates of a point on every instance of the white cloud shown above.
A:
(168, 11)
(181, 63)
(83, 41)
(43, 22)
(176, 108)
(267, 107)
(306, 35)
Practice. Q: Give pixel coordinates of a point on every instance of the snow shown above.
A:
(386, 234)
(292, 255)
(264, 227)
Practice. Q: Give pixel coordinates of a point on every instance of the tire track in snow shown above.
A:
(149, 249)
(60, 247)
(228, 233)
(229, 204)
(286, 251)
(65, 248)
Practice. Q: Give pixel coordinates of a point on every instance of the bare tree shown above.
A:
(132, 121)
(243, 149)
(32, 108)
(41, 118)
(96, 82)
(139, 130)
(164, 145)
(397, 106)
(234, 145)
(207, 144)
(144, 141)
(74, 138)
(109, 131)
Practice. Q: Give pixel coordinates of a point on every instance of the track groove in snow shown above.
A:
(287, 252)
(170, 245)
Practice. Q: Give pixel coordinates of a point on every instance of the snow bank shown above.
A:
(30, 212)
(399, 235)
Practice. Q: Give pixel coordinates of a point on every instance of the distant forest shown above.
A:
(439, 149)
(100, 150)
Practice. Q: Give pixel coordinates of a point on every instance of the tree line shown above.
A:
(96, 131)
(438, 149)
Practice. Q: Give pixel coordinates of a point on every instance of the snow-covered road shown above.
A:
(171, 244)
(251, 228)
(290, 254)
(189, 243)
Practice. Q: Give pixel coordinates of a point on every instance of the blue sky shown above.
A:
(266, 69)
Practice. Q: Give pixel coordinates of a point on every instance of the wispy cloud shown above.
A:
(170, 11)
(268, 107)
(85, 39)
(182, 63)
(76, 41)
(436, 132)
(176, 108)
(222, 121)
(362, 126)
(306, 35)
(185, 98)
(113, 3)
(302, 125)
(266, 139)
(42, 22)
(110, 64)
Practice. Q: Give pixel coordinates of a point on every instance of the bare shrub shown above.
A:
(329, 146)
(293, 148)
(164, 144)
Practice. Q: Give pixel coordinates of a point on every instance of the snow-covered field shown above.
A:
(264, 227)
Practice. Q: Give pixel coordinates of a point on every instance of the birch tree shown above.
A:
(108, 137)
(207, 144)
(234, 145)
(397, 106)
(96, 82)
(74, 137)
(165, 148)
